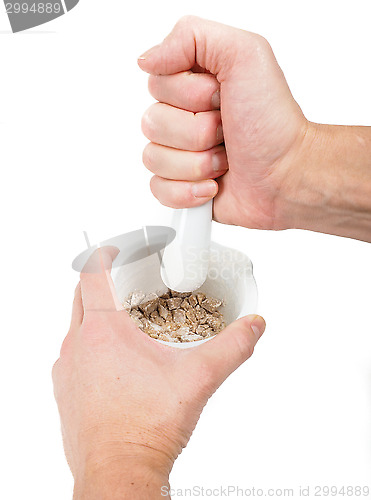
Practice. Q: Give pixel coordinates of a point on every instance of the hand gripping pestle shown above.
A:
(185, 261)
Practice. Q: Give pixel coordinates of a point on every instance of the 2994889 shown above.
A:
(33, 8)
(343, 491)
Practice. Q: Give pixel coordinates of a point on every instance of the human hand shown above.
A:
(275, 169)
(262, 124)
(129, 404)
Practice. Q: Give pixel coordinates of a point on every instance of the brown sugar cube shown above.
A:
(200, 312)
(183, 330)
(208, 333)
(174, 333)
(185, 304)
(191, 315)
(150, 328)
(154, 335)
(165, 296)
(200, 297)
(137, 314)
(145, 321)
(149, 297)
(174, 303)
(203, 320)
(179, 316)
(163, 312)
(157, 319)
(166, 337)
(201, 329)
(163, 302)
(148, 307)
(170, 326)
(193, 300)
(136, 298)
(193, 327)
(211, 304)
(215, 323)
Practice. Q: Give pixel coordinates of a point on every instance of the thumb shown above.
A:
(223, 354)
(97, 289)
(196, 41)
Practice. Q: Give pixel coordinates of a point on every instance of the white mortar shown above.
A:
(230, 278)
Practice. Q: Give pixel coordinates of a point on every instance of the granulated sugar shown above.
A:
(174, 316)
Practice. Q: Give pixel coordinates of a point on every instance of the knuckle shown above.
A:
(153, 185)
(201, 167)
(152, 85)
(205, 128)
(176, 200)
(202, 133)
(147, 156)
(244, 340)
(245, 347)
(148, 122)
(259, 40)
(168, 194)
(190, 98)
(168, 200)
(260, 47)
(186, 21)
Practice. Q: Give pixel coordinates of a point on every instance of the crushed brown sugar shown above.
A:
(175, 316)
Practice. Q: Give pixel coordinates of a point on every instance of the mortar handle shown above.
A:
(185, 260)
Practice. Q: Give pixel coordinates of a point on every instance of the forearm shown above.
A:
(330, 191)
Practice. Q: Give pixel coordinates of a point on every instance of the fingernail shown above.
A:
(204, 189)
(148, 53)
(217, 162)
(219, 134)
(215, 99)
(258, 326)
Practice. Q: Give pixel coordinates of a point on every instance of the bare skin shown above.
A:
(129, 404)
(275, 169)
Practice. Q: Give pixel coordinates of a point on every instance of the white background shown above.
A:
(71, 100)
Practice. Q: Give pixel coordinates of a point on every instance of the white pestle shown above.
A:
(185, 261)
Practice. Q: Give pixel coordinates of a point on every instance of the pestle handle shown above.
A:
(185, 261)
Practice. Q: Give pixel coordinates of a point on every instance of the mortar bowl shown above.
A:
(230, 278)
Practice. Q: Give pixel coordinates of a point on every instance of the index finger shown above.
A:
(186, 90)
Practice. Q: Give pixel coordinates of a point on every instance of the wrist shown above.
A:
(327, 184)
(118, 477)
